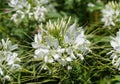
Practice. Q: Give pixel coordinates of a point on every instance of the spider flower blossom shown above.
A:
(23, 8)
(111, 14)
(8, 59)
(115, 56)
(71, 44)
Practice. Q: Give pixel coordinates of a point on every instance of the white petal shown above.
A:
(1, 72)
(61, 50)
(72, 28)
(56, 43)
(46, 58)
(41, 52)
(51, 60)
(81, 56)
(114, 44)
(69, 59)
(35, 45)
(48, 41)
(56, 56)
(38, 38)
(79, 40)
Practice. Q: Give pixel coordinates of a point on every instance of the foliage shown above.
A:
(52, 48)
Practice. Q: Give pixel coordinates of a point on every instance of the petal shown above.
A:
(81, 56)
(68, 59)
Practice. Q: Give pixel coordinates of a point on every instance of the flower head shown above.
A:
(60, 43)
(111, 14)
(8, 59)
(22, 9)
(115, 56)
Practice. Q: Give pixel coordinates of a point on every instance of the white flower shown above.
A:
(15, 4)
(11, 58)
(108, 17)
(69, 45)
(6, 45)
(18, 4)
(111, 14)
(23, 8)
(115, 42)
(76, 40)
(39, 13)
(8, 59)
(18, 16)
(115, 53)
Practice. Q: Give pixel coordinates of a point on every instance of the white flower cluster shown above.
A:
(111, 14)
(51, 49)
(8, 59)
(115, 43)
(23, 8)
